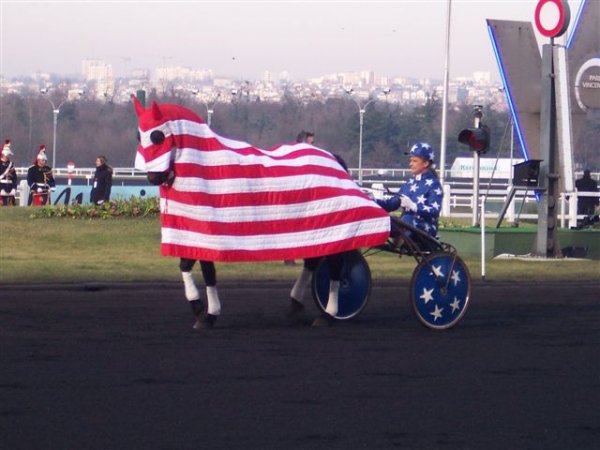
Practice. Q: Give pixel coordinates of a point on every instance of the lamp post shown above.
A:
(209, 106)
(55, 112)
(361, 111)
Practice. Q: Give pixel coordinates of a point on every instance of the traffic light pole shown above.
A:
(476, 163)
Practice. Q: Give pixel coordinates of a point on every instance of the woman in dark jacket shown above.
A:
(102, 181)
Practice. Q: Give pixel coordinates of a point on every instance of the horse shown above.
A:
(223, 200)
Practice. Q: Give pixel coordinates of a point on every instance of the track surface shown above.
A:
(119, 367)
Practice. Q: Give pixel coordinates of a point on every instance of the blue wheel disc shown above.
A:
(440, 290)
(355, 285)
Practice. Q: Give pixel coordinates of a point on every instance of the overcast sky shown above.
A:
(245, 38)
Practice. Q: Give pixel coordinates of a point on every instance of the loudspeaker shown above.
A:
(527, 174)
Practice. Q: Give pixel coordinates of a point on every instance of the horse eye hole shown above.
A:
(139, 138)
(157, 137)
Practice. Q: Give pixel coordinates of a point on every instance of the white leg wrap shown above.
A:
(332, 302)
(301, 284)
(191, 291)
(214, 305)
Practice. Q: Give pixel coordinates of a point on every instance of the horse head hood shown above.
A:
(161, 129)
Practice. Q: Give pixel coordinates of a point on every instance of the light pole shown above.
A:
(55, 111)
(209, 106)
(361, 111)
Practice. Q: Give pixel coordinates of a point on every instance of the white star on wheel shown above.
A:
(437, 271)
(413, 188)
(429, 182)
(436, 205)
(427, 208)
(438, 191)
(455, 277)
(426, 296)
(455, 304)
(437, 313)
(421, 199)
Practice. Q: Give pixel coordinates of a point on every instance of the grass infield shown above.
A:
(61, 249)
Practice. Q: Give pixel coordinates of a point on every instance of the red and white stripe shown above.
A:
(231, 201)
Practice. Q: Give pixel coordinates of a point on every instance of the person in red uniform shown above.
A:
(8, 176)
(40, 180)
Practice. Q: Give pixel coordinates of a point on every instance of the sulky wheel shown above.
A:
(355, 285)
(440, 289)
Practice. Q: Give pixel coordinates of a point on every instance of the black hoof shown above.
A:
(296, 314)
(206, 322)
(324, 320)
(296, 309)
(197, 307)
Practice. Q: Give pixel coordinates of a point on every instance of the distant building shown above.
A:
(482, 77)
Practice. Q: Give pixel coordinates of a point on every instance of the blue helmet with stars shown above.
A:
(422, 150)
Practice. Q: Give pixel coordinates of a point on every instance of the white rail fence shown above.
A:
(458, 193)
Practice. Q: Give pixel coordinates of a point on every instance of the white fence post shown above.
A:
(23, 190)
(573, 210)
(446, 200)
(563, 203)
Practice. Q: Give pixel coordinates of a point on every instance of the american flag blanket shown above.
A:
(227, 200)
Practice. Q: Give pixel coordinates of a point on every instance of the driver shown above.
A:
(421, 197)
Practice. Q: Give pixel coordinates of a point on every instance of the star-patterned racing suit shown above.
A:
(421, 197)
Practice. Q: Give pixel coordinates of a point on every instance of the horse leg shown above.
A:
(191, 291)
(334, 263)
(212, 295)
(300, 286)
(193, 295)
(335, 273)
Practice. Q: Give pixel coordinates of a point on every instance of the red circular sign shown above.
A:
(552, 17)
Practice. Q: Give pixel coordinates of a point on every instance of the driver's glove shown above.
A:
(407, 203)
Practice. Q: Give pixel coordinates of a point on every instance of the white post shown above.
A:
(562, 209)
(23, 193)
(475, 200)
(482, 222)
(563, 118)
(445, 98)
(573, 210)
(446, 200)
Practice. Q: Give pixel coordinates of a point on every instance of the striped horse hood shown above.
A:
(231, 201)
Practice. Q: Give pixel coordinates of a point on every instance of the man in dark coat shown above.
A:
(586, 205)
(102, 181)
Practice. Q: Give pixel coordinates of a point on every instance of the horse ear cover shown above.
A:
(139, 109)
(156, 114)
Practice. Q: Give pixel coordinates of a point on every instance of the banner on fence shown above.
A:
(463, 167)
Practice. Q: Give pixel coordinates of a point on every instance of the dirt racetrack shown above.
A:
(119, 367)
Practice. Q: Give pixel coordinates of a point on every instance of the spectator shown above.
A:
(102, 181)
(8, 176)
(40, 180)
(306, 137)
(586, 205)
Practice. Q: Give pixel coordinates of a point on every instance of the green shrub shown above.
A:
(134, 207)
